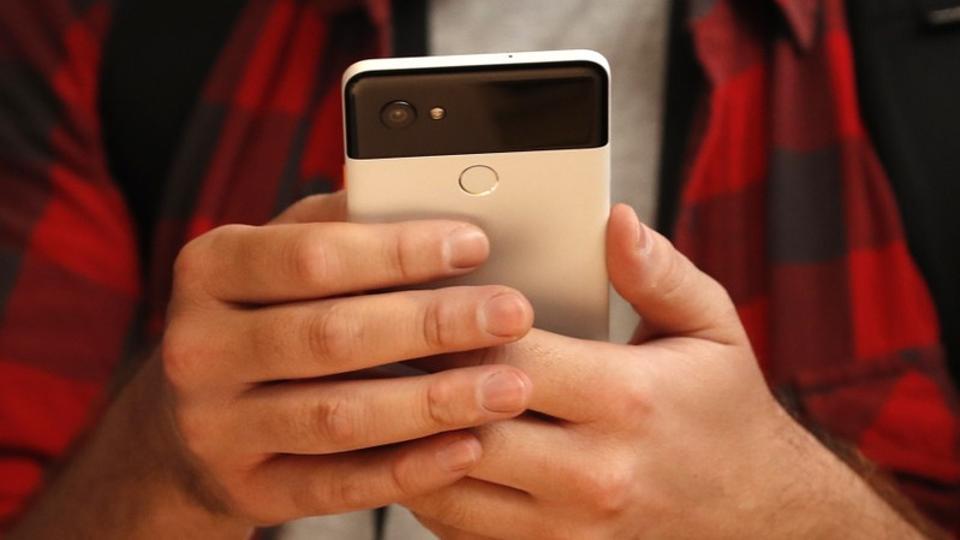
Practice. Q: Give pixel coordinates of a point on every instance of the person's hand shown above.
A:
(673, 435)
(259, 406)
(265, 322)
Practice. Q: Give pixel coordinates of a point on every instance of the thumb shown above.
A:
(671, 294)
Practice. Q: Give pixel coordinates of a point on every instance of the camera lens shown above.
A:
(398, 114)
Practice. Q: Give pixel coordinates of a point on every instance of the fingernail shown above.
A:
(504, 392)
(644, 239)
(467, 247)
(459, 455)
(504, 315)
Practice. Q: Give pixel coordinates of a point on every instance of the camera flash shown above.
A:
(437, 113)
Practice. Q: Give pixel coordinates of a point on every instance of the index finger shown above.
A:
(288, 262)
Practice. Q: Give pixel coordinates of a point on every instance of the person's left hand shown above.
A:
(673, 435)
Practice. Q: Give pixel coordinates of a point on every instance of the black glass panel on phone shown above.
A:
(474, 110)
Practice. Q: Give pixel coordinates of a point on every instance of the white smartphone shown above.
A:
(516, 143)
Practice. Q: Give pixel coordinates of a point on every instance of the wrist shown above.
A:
(176, 496)
(808, 491)
(127, 480)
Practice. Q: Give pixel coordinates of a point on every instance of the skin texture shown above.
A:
(672, 436)
(259, 406)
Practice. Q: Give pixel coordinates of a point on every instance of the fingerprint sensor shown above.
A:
(479, 180)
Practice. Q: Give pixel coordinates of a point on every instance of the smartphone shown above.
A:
(516, 143)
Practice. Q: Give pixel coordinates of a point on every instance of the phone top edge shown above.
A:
(474, 60)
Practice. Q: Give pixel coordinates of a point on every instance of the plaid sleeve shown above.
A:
(787, 204)
(68, 267)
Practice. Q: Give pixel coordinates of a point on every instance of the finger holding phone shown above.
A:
(267, 334)
(259, 407)
(672, 436)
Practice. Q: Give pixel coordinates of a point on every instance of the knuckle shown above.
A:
(191, 267)
(179, 356)
(633, 401)
(401, 254)
(190, 263)
(438, 332)
(439, 404)
(403, 472)
(334, 423)
(332, 337)
(310, 259)
(607, 489)
(323, 494)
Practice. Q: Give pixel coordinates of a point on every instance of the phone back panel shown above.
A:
(546, 220)
(535, 121)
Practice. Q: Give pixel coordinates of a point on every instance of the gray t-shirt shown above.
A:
(632, 35)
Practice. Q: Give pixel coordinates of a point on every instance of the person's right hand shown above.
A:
(266, 329)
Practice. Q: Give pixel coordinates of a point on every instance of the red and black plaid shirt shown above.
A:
(74, 302)
(785, 204)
